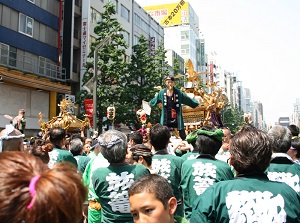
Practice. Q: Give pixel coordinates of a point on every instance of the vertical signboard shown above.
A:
(89, 105)
(84, 43)
(152, 46)
(85, 37)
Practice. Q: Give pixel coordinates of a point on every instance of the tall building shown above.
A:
(30, 67)
(257, 116)
(228, 76)
(144, 24)
(260, 109)
(236, 93)
(248, 101)
(172, 56)
(132, 17)
(181, 25)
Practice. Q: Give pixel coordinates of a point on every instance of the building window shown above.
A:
(45, 67)
(12, 56)
(141, 23)
(25, 24)
(4, 49)
(185, 49)
(135, 40)
(145, 26)
(95, 16)
(42, 65)
(126, 36)
(8, 55)
(185, 35)
(125, 12)
(137, 20)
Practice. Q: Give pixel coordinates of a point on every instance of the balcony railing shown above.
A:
(31, 65)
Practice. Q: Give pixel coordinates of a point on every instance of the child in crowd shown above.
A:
(152, 200)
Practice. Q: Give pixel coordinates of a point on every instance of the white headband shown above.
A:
(8, 129)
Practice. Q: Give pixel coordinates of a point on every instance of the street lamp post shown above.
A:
(97, 48)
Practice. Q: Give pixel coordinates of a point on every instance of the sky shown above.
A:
(259, 40)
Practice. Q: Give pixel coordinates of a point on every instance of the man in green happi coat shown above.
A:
(165, 164)
(282, 167)
(171, 99)
(200, 173)
(59, 152)
(251, 196)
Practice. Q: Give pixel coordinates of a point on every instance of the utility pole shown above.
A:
(103, 42)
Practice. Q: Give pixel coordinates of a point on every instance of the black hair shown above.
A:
(296, 146)
(57, 134)
(159, 136)
(137, 137)
(294, 129)
(148, 159)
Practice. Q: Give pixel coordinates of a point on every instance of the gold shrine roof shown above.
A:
(65, 119)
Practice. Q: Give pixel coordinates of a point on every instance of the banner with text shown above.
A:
(89, 109)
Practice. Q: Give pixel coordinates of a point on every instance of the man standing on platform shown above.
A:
(171, 112)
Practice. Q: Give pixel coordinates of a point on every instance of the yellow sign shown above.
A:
(170, 14)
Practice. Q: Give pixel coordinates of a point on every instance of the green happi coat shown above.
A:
(111, 185)
(60, 155)
(82, 162)
(181, 98)
(190, 155)
(247, 198)
(199, 174)
(94, 216)
(169, 167)
(285, 170)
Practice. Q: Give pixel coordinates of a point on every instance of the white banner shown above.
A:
(146, 107)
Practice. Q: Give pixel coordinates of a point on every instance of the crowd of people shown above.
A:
(251, 176)
(207, 175)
